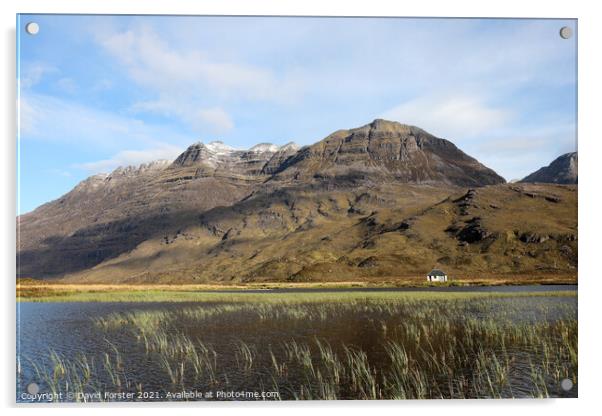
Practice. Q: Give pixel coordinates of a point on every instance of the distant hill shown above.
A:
(382, 200)
(562, 170)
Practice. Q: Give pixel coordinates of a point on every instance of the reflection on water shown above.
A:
(348, 350)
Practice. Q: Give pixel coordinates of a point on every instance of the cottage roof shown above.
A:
(436, 272)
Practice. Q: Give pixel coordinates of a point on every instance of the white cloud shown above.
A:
(514, 145)
(216, 117)
(33, 72)
(450, 116)
(493, 135)
(52, 119)
(130, 158)
(539, 143)
(517, 152)
(153, 62)
(189, 84)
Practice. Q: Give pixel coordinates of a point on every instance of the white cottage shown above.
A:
(436, 275)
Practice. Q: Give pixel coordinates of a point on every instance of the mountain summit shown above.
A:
(562, 170)
(387, 150)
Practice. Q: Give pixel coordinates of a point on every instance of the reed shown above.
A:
(424, 346)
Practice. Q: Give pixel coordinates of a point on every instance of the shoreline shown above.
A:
(512, 280)
(56, 292)
(287, 298)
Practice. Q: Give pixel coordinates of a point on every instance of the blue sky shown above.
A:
(97, 92)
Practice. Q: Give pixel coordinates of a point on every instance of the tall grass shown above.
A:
(411, 347)
(151, 295)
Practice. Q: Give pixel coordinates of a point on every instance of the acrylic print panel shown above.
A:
(293, 208)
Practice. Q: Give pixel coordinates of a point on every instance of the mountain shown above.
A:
(387, 150)
(218, 159)
(382, 200)
(562, 170)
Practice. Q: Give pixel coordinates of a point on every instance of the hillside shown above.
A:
(392, 231)
(384, 200)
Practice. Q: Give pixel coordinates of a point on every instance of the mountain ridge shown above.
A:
(369, 149)
(267, 159)
(357, 201)
(397, 151)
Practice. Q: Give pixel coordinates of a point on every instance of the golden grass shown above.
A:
(33, 289)
(279, 297)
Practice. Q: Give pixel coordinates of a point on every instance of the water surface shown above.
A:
(68, 329)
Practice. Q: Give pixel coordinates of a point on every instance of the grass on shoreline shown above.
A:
(293, 298)
(44, 291)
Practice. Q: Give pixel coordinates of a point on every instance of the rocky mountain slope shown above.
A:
(382, 200)
(562, 170)
(385, 150)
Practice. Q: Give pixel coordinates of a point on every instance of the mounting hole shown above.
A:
(33, 388)
(566, 32)
(566, 384)
(32, 28)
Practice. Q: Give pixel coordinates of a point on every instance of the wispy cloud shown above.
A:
(493, 134)
(453, 116)
(130, 158)
(184, 81)
(52, 119)
(546, 142)
(154, 62)
(515, 153)
(216, 117)
(33, 72)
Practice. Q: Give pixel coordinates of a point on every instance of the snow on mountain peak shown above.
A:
(264, 147)
(219, 147)
(290, 146)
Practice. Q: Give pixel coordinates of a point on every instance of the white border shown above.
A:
(590, 68)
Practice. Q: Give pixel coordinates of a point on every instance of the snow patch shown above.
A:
(264, 147)
(220, 148)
